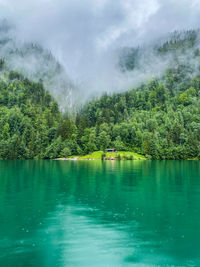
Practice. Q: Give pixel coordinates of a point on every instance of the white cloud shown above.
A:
(84, 33)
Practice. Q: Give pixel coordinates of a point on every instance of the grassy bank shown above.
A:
(121, 155)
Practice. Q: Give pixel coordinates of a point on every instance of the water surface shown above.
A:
(93, 213)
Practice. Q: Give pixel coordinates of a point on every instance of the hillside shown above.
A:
(159, 119)
(175, 48)
(36, 63)
(31, 123)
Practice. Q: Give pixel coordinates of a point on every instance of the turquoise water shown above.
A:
(93, 213)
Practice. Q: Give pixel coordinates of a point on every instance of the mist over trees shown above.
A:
(159, 119)
(35, 63)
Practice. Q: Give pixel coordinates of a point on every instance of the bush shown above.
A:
(103, 155)
(66, 152)
(118, 156)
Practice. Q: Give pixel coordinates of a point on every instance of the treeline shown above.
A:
(180, 41)
(160, 119)
(31, 125)
(177, 46)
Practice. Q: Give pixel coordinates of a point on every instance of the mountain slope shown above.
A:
(161, 118)
(175, 48)
(36, 64)
(30, 121)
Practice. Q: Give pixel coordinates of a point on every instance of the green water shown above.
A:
(93, 213)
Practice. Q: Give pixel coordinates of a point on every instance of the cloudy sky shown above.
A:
(81, 33)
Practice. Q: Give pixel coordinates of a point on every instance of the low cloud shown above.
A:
(84, 35)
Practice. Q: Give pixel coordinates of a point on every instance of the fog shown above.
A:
(86, 35)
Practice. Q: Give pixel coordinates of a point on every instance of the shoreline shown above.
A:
(100, 155)
(74, 159)
(77, 159)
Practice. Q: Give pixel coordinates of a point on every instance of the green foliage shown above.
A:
(66, 152)
(117, 155)
(118, 144)
(30, 122)
(160, 119)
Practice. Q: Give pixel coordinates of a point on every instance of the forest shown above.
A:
(160, 119)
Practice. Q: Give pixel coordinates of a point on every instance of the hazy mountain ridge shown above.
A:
(136, 65)
(179, 47)
(36, 63)
(159, 119)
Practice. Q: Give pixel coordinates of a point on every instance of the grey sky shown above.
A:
(82, 33)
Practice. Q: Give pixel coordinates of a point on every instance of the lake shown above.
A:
(94, 213)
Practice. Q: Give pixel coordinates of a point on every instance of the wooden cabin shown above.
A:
(112, 150)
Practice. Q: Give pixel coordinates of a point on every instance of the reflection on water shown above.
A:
(61, 213)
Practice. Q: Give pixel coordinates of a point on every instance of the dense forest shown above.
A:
(160, 119)
(154, 120)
